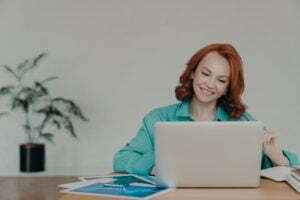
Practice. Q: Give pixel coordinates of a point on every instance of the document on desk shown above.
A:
(121, 186)
(147, 179)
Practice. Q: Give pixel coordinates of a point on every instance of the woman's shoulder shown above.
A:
(163, 112)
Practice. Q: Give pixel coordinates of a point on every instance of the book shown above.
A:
(296, 174)
(282, 173)
(293, 182)
(120, 186)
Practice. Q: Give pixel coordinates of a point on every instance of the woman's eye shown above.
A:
(205, 74)
(222, 81)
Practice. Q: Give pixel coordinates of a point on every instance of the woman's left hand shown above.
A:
(273, 150)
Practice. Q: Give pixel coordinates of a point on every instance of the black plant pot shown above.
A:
(32, 157)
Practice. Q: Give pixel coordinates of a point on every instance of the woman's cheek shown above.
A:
(221, 88)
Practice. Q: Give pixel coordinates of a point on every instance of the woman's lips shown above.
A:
(206, 91)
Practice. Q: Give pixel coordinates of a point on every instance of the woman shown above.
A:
(210, 89)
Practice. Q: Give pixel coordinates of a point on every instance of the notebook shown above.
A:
(282, 173)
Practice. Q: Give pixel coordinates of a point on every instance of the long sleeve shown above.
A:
(137, 157)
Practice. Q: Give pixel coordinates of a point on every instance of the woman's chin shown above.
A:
(205, 99)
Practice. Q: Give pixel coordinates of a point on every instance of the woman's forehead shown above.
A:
(215, 63)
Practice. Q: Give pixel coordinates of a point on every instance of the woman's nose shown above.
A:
(211, 83)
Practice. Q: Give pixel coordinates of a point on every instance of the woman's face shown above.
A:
(211, 78)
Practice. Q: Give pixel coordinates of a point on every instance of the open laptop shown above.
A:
(208, 154)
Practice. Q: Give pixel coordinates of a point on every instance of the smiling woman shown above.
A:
(218, 68)
(210, 89)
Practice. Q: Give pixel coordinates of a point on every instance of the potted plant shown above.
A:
(43, 114)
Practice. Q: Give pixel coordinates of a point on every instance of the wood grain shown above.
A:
(45, 188)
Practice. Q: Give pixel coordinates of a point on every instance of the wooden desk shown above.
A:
(32, 188)
(45, 188)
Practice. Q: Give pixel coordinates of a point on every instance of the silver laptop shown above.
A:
(208, 154)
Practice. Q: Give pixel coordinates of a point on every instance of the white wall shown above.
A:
(119, 59)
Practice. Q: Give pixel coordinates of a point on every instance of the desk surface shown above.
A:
(45, 188)
(33, 187)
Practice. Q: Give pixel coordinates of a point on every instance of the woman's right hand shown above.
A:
(273, 150)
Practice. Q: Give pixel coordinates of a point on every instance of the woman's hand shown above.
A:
(273, 150)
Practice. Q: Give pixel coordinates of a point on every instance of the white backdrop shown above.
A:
(119, 59)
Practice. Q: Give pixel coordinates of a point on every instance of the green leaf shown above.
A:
(22, 65)
(11, 71)
(41, 89)
(27, 94)
(72, 108)
(17, 103)
(57, 118)
(50, 111)
(69, 126)
(26, 68)
(47, 136)
(38, 58)
(56, 123)
(49, 79)
(6, 90)
(31, 95)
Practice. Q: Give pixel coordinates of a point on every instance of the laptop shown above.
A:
(208, 154)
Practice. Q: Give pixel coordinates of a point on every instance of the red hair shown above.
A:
(231, 102)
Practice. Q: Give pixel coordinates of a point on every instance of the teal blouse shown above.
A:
(137, 157)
